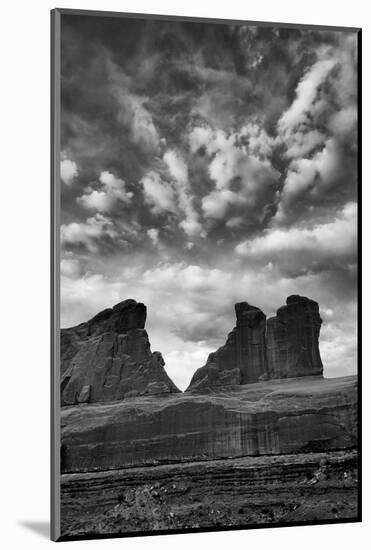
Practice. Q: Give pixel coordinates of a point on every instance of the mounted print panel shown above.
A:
(205, 288)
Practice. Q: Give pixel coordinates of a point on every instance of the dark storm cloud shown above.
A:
(201, 162)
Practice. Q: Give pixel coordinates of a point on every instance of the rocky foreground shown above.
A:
(271, 452)
(259, 436)
(211, 494)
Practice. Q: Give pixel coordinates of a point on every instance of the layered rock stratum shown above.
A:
(267, 418)
(109, 358)
(265, 490)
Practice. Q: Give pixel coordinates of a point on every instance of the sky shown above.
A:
(207, 164)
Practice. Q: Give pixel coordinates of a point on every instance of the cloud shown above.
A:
(303, 143)
(339, 341)
(320, 247)
(257, 140)
(306, 94)
(68, 171)
(159, 194)
(132, 112)
(310, 180)
(181, 362)
(318, 132)
(344, 122)
(239, 166)
(113, 192)
(70, 267)
(88, 233)
(153, 235)
(216, 203)
(235, 222)
(201, 136)
(177, 167)
(222, 148)
(179, 172)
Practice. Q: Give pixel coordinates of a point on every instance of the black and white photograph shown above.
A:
(208, 206)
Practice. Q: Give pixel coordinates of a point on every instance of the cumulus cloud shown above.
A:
(319, 247)
(306, 94)
(181, 362)
(112, 193)
(318, 131)
(258, 141)
(343, 122)
(179, 172)
(159, 194)
(153, 235)
(70, 267)
(240, 168)
(68, 171)
(88, 233)
(132, 112)
(235, 222)
(339, 342)
(310, 179)
(177, 167)
(216, 203)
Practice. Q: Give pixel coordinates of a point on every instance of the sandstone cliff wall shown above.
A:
(257, 419)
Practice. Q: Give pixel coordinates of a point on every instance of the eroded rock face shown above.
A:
(250, 343)
(293, 339)
(109, 358)
(285, 346)
(242, 358)
(268, 418)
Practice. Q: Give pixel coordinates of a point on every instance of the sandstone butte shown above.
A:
(285, 346)
(109, 358)
(262, 393)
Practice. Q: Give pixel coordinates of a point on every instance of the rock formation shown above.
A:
(210, 494)
(292, 339)
(253, 428)
(242, 359)
(250, 343)
(270, 418)
(286, 346)
(109, 358)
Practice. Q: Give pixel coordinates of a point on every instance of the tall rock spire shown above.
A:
(285, 346)
(250, 342)
(293, 339)
(242, 358)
